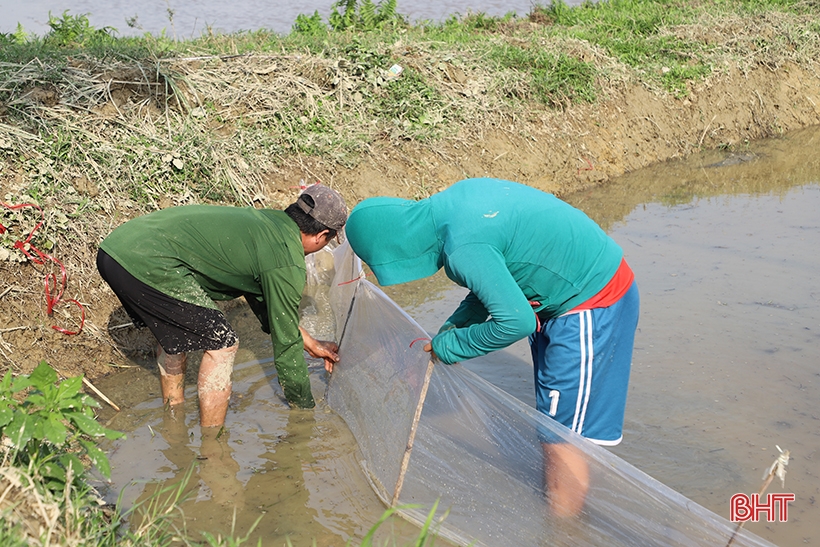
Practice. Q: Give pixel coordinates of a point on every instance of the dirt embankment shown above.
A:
(560, 152)
(589, 145)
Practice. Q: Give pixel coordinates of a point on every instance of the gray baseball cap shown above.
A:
(327, 207)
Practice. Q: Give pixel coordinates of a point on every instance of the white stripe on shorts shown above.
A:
(585, 382)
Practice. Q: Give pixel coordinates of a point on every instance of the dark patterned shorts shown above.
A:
(178, 326)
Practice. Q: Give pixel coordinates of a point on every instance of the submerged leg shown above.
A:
(218, 469)
(172, 376)
(214, 385)
(567, 479)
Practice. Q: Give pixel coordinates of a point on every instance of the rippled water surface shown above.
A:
(727, 365)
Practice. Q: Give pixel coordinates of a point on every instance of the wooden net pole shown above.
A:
(777, 469)
(405, 461)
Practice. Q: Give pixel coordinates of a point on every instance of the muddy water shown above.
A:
(726, 250)
(293, 471)
(727, 365)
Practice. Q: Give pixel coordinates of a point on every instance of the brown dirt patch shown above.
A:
(559, 152)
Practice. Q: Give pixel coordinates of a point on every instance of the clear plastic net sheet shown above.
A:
(476, 450)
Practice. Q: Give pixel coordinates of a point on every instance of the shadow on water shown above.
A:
(724, 247)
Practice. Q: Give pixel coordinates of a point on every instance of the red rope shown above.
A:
(590, 168)
(362, 276)
(54, 292)
(417, 339)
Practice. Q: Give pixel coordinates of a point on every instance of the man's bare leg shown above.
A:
(567, 478)
(172, 376)
(218, 469)
(214, 385)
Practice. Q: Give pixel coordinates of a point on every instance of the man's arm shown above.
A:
(320, 349)
(482, 269)
(469, 312)
(282, 289)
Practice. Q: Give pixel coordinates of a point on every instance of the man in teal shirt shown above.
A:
(536, 267)
(168, 267)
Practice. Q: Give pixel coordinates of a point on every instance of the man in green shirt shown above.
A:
(168, 267)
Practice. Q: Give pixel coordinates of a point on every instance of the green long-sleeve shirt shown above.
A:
(202, 253)
(508, 243)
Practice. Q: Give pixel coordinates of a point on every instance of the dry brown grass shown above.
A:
(101, 140)
(40, 519)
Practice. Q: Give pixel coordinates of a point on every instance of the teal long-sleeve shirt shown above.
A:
(508, 243)
(202, 253)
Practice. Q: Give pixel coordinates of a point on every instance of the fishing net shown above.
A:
(440, 433)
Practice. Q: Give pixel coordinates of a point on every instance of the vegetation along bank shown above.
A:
(96, 129)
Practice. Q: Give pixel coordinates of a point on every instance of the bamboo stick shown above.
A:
(100, 394)
(778, 469)
(406, 458)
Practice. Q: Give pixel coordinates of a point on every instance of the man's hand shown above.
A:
(329, 351)
(429, 349)
(321, 349)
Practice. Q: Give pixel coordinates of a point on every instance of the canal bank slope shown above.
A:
(632, 123)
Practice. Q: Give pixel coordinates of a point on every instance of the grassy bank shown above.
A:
(92, 124)
(96, 129)
(149, 121)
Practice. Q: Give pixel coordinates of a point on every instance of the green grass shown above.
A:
(83, 522)
(635, 32)
(153, 121)
(555, 79)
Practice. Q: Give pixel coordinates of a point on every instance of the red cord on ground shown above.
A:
(590, 168)
(53, 291)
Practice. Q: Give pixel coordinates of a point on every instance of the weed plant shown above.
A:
(102, 127)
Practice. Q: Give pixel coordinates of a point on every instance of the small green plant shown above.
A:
(75, 31)
(52, 427)
(19, 36)
(426, 536)
(346, 15)
(481, 21)
(309, 24)
(364, 16)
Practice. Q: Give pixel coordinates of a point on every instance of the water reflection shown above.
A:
(771, 166)
(265, 464)
(296, 472)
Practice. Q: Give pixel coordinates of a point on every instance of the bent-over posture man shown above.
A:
(536, 267)
(168, 267)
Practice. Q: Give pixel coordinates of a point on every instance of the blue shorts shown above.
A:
(581, 362)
